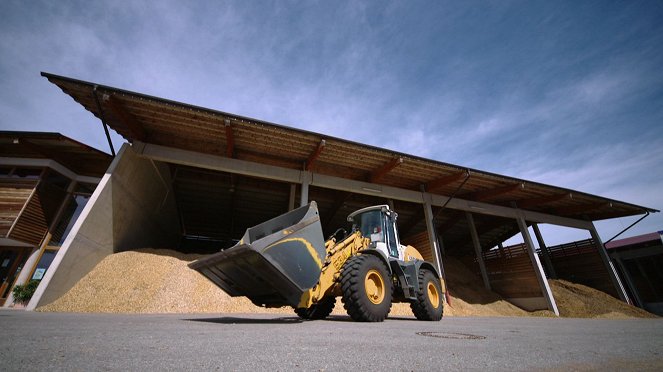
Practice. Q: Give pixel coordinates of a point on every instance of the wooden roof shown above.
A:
(139, 117)
(77, 157)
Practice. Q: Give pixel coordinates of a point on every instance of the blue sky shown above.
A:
(564, 93)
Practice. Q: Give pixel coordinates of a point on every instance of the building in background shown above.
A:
(639, 261)
(45, 181)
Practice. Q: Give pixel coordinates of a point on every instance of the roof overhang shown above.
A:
(141, 118)
(80, 159)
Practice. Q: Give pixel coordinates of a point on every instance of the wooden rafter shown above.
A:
(315, 155)
(230, 139)
(378, 174)
(128, 120)
(443, 181)
(535, 202)
(491, 193)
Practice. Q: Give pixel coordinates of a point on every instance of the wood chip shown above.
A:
(159, 281)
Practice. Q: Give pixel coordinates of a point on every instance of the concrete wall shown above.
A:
(132, 207)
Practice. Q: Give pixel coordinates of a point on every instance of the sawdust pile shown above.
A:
(469, 297)
(159, 281)
(150, 281)
(579, 301)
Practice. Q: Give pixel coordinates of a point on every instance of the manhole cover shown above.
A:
(452, 335)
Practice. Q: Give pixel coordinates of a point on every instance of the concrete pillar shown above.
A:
(477, 249)
(430, 227)
(544, 252)
(608, 265)
(538, 270)
(306, 181)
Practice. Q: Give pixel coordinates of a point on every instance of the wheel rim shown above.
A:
(374, 287)
(433, 295)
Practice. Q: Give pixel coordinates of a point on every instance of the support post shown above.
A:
(544, 252)
(306, 181)
(629, 282)
(291, 201)
(608, 265)
(430, 227)
(477, 249)
(538, 270)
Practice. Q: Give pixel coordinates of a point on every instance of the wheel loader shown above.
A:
(287, 262)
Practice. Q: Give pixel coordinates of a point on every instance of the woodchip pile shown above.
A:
(159, 281)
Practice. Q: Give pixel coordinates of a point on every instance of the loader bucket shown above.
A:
(274, 263)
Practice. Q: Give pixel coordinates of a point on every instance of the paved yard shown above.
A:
(32, 341)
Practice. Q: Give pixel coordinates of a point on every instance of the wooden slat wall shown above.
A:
(580, 262)
(13, 196)
(422, 244)
(511, 273)
(33, 223)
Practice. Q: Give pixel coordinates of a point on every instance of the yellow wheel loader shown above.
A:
(286, 262)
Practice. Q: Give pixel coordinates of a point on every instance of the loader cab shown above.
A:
(378, 223)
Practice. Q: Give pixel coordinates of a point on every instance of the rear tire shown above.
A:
(321, 310)
(367, 288)
(429, 304)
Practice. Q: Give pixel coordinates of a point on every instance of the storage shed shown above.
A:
(193, 179)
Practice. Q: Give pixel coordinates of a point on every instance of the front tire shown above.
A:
(318, 311)
(367, 288)
(429, 304)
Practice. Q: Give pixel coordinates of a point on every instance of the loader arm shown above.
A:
(337, 254)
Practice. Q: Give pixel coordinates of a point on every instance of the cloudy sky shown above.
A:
(564, 93)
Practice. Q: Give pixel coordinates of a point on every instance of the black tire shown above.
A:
(429, 304)
(321, 310)
(367, 288)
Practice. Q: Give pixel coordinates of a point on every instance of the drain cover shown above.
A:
(452, 335)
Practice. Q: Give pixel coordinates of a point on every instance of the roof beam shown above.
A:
(208, 161)
(314, 155)
(230, 139)
(446, 180)
(126, 119)
(535, 202)
(491, 193)
(378, 174)
(40, 150)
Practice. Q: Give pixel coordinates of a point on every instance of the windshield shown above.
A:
(370, 225)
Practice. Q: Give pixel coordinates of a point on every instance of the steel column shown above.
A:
(291, 201)
(538, 270)
(608, 265)
(627, 277)
(477, 249)
(544, 251)
(430, 227)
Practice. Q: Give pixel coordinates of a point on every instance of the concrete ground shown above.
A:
(32, 341)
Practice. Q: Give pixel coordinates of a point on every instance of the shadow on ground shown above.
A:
(236, 320)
